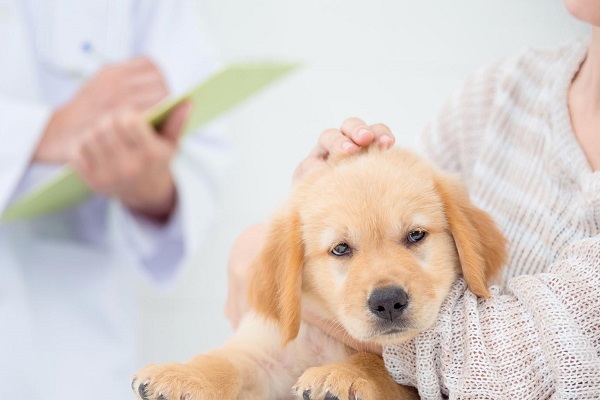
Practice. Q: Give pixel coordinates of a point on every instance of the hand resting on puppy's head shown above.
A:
(373, 244)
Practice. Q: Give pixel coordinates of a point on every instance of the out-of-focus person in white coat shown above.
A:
(75, 79)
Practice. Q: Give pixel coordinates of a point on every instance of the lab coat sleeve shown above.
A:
(168, 33)
(21, 127)
(162, 248)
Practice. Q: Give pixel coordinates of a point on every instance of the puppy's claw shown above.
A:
(329, 396)
(142, 391)
(352, 394)
(306, 395)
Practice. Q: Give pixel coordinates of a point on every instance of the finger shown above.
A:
(307, 165)
(139, 83)
(104, 138)
(125, 154)
(331, 142)
(145, 81)
(89, 147)
(79, 159)
(150, 149)
(142, 100)
(106, 153)
(173, 127)
(147, 153)
(134, 130)
(132, 139)
(139, 64)
(357, 130)
(383, 136)
(88, 162)
(141, 91)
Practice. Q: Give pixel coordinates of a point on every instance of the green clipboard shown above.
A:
(211, 98)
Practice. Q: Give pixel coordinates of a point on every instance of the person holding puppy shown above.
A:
(77, 79)
(523, 136)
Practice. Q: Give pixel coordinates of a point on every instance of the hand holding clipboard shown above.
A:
(211, 98)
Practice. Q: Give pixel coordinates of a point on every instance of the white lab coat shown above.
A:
(67, 314)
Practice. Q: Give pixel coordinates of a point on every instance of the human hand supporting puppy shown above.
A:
(353, 135)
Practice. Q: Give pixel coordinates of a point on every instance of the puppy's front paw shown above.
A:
(208, 379)
(362, 377)
(335, 382)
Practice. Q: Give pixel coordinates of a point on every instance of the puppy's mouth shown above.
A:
(396, 331)
(371, 328)
(392, 331)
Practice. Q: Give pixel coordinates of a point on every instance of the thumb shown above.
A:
(172, 128)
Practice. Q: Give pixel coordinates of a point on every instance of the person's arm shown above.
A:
(39, 136)
(537, 338)
(162, 246)
(169, 34)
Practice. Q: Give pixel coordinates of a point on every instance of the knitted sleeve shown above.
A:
(537, 337)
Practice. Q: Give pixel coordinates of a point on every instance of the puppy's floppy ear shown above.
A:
(480, 244)
(275, 289)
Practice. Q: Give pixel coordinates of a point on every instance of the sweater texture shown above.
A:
(508, 134)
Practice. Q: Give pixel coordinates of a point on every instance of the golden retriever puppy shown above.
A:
(373, 243)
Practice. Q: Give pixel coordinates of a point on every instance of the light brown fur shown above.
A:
(371, 202)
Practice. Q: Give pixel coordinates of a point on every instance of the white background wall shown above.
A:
(391, 61)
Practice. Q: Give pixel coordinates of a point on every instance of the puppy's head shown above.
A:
(374, 242)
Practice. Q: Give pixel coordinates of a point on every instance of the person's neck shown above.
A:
(587, 80)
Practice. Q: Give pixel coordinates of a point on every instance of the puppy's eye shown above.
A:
(416, 236)
(341, 249)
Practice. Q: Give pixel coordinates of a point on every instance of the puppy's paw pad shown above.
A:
(204, 378)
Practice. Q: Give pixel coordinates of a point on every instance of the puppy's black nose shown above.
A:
(388, 302)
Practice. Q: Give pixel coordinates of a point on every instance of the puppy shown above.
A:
(373, 244)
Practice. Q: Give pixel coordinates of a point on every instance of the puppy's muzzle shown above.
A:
(388, 303)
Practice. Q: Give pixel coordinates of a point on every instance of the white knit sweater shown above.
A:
(508, 134)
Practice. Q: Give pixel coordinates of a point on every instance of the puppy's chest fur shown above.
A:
(259, 340)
